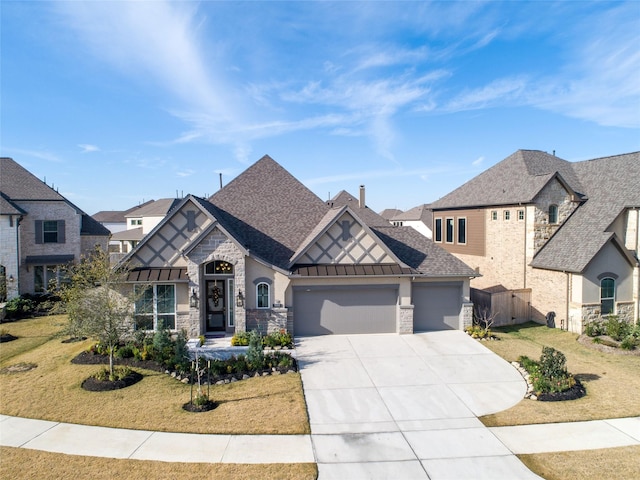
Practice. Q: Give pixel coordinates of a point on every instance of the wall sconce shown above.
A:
(240, 299)
(193, 300)
(11, 279)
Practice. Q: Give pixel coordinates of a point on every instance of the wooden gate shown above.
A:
(508, 307)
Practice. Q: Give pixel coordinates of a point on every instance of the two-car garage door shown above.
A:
(345, 310)
(321, 310)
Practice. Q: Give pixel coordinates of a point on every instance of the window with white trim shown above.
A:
(507, 214)
(155, 307)
(462, 230)
(494, 215)
(262, 295)
(520, 214)
(607, 296)
(438, 230)
(449, 231)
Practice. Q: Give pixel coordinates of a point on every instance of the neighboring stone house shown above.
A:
(40, 231)
(265, 252)
(567, 231)
(419, 218)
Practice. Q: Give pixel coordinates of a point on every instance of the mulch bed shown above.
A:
(190, 407)
(7, 337)
(587, 341)
(575, 392)
(88, 358)
(94, 385)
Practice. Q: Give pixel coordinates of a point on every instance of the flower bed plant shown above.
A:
(280, 339)
(614, 332)
(549, 376)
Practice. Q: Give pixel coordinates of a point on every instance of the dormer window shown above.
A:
(553, 214)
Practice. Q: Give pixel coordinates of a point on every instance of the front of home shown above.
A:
(568, 232)
(266, 253)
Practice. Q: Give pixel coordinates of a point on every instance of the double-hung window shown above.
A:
(438, 228)
(449, 232)
(155, 307)
(553, 214)
(462, 230)
(607, 296)
(262, 295)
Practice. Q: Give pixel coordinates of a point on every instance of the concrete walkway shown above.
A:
(380, 406)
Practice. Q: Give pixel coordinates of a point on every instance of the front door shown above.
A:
(216, 306)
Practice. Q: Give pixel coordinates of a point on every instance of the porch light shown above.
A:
(240, 299)
(11, 278)
(193, 300)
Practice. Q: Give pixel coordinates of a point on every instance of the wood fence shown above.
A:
(509, 307)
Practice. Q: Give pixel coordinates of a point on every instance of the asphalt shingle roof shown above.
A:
(612, 185)
(421, 212)
(516, 179)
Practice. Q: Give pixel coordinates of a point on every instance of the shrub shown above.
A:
(20, 307)
(119, 373)
(594, 328)
(553, 363)
(617, 328)
(629, 342)
(278, 339)
(240, 339)
(126, 351)
(255, 355)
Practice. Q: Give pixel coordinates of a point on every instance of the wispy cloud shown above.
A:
(40, 154)
(478, 161)
(344, 177)
(88, 148)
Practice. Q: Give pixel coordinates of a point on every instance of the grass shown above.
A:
(612, 381)
(31, 333)
(29, 464)
(52, 391)
(621, 463)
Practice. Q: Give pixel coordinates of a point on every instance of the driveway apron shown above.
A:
(406, 406)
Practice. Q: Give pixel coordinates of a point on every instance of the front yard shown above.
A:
(613, 389)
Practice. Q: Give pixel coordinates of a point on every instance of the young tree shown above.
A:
(98, 302)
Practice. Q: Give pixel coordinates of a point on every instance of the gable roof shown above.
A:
(153, 208)
(515, 180)
(421, 213)
(18, 184)
(7, 207)
(612, 186)
(117, 216)
(389, 213)
(269, 210)
(370, 217)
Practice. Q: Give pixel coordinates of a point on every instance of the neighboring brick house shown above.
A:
(40, 231)
(265, 252)
(567, 231)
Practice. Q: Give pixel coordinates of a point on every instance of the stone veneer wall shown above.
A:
(268, 320)
(553, 194)
(405, 319)
(216, 246)
(9, 253)
(466, 315)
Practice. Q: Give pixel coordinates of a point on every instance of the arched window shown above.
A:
(262, 295)
(553, 214)
(607, 296)
(218, 267)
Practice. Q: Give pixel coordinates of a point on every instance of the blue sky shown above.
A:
(116, 103)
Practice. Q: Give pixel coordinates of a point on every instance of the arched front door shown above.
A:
(219, 296)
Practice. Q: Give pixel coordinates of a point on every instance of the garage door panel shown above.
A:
(345, 311)
(436, 307)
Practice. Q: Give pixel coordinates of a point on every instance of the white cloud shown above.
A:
(478, 161)
(88, 148)
(40, 154)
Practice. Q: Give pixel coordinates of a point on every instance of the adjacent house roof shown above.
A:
(134, 234)
(19, 185)
(421, 213)
(612, 184)
(515, 180)
(389, 213)
(157, 208)
(117, 216)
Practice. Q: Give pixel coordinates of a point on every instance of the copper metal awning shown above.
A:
(167, 274)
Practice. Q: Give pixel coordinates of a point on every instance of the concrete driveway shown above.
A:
(406, 406)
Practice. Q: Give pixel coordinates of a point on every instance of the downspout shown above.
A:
(524, 271)
(567, 299)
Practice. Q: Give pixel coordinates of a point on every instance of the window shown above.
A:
(438, 231)
(553, 214)
(462, 230)
(50, 231)
(449, 233)
(48, 277)
(397, 224)
(607, 296)
(507, 214)
(262, 295)
(494, 215)
(218, 267)
(155, 308)
(136, 221)
(520, 214)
